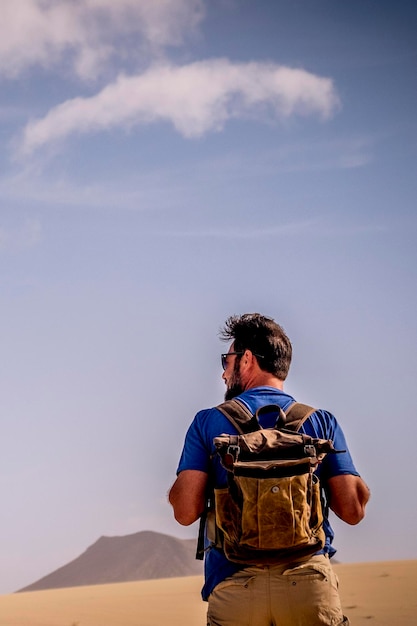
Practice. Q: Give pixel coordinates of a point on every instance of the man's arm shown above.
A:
(187, 496)
(348, 496)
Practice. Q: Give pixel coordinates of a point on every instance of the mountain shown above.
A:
(141, 556)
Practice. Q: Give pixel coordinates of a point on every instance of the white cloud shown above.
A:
(196, 98)
(40, 32)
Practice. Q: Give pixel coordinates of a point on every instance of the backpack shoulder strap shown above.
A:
(296, 415)
(239, 415)
(244, 421)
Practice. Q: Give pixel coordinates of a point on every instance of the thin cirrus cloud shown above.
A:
(85, 35)
(196, 99)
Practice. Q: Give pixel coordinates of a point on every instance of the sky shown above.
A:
(163, 166)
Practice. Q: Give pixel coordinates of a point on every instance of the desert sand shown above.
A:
(380, 593)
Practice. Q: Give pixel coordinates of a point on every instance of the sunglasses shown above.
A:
(224, 358)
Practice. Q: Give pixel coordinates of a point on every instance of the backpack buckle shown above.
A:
(230, 457)
(310, 450)
(234, 451)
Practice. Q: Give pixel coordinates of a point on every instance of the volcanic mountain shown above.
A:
(141, 556)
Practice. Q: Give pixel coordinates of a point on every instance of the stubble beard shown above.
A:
(234, 387)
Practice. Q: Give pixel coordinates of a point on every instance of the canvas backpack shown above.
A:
(270, 511)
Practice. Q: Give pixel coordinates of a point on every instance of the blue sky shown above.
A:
(162, 167)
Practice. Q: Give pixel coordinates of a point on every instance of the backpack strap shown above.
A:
(239, 415)
(296, 415)
(244, 421)
(242, 418)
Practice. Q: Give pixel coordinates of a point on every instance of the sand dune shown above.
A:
(381, 593)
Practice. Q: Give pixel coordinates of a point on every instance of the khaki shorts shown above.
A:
(297, 594)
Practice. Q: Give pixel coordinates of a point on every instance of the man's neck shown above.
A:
(264, 379)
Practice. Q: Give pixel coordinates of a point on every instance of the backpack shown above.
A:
(271, 510)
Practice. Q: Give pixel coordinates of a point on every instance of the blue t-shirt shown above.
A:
(199, 453)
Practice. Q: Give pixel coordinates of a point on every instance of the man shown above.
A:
(304, 592)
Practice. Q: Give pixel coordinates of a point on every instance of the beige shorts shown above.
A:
(302, 594)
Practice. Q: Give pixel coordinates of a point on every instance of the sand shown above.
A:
(381, 593)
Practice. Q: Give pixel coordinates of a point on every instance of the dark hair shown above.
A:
(264, 338)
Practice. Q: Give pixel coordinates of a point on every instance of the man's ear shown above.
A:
(247, 358)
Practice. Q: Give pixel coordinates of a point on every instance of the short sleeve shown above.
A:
(195, 453)
(324, 425)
